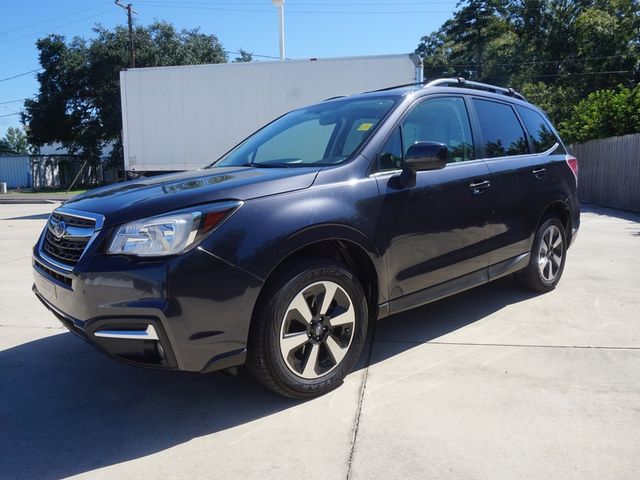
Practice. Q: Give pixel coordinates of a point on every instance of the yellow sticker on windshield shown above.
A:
(364, 127)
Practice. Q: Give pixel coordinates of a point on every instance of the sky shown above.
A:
(313, 28)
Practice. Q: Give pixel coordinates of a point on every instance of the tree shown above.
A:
(469, 44)
(15, 141)
(244, 56)
(604, 113)
(556, 52)
(5, 148)
(78, 103)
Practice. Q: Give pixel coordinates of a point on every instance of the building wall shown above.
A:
(15, 170)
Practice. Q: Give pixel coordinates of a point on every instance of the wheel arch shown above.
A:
(561, 209)
(360, 259)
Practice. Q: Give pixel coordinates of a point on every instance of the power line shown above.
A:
(20, 74)
(10, 114)
(604, 72)
(307, 4)
(13, 101)
(532, 63)
(252, 54)
(29, 35)
(292, 11)
(52, 19)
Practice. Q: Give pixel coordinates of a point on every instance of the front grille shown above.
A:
(69, 247)
(73, 221)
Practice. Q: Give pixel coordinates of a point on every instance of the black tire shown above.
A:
(536, 277)
(274, 315)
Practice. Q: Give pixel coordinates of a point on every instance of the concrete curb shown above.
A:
(32, 199)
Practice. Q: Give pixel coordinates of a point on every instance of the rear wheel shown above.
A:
(548, 256)
(308, 330)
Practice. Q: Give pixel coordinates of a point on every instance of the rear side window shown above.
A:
(541, 135)
(501, 130)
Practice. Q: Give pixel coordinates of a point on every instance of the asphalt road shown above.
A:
(494, 383)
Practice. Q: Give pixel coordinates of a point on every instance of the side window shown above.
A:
(442, 120)
(390, 157)
(501, 129)
(541, 135)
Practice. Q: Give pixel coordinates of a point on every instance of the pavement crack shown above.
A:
(518, 345)
(363, 388)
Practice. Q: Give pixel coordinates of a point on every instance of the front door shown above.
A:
(436, 230)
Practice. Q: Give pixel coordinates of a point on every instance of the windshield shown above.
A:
(323, 134)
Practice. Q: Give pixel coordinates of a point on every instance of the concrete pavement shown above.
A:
(493, 383)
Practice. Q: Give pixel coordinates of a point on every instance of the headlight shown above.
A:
(169, 234)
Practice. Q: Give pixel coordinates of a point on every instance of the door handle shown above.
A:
(539, 173)
(479, 187)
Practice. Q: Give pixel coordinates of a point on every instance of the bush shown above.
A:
(605, 113)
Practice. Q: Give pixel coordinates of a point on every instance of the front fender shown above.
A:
(265, 231)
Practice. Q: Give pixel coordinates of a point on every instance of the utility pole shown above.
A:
(132, 47)
(280, 5)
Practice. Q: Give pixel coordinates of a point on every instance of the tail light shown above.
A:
(573, 165)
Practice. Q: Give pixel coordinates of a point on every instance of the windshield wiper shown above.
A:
(274, 165)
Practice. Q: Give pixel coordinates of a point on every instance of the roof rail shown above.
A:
(333, 98)
(393, 87)
(461, 82)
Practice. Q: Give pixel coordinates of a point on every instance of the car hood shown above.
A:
(150, 196)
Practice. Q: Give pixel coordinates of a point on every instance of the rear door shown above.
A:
(520, 177)
(435, 230)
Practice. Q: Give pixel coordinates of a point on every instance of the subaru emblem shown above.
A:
(59, 229)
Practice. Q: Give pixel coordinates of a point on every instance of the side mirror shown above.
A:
(422, 156)
(426, 156)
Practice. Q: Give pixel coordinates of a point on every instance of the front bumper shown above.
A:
(190, 312)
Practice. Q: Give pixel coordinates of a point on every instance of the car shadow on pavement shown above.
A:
(405, 330)
(66, 409)
(37, 216)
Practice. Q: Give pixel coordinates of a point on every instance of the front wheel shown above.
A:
(548, 255)
(308, 330)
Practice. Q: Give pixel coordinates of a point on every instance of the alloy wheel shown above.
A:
(317, 330)
(550, 253)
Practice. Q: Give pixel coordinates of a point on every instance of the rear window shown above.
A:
(501, 130)
(540, 133)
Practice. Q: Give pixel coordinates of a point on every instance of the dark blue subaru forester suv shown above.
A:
(282, 252)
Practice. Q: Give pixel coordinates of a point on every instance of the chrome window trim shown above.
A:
(522, 155)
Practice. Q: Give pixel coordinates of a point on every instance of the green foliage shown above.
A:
(5, 148)
(15, 142)
(554, 99)
(244, 57)
(78, 103)
(556, 52)
(605, 113)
